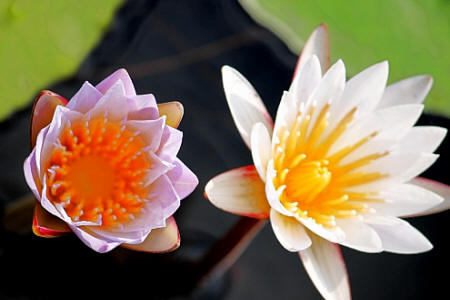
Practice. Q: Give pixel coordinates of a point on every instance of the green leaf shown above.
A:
(413, 35)
(43, 41)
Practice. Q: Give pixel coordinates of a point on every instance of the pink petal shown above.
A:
(170, 143)
(47, 225)
(94, 241)
(245, 104)
(317, 44)
(158, 168)
(239, 191)
(109, 81)
(143, 101)
(173, 111)
(289, 231)
(32, 174)
(325, 266)
(149, 130)
(441, 189)
(113, 105)
(159, 240)
(182, 178)
(85, 98)
(42, 112)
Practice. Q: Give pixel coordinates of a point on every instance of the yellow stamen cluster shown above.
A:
(312, 183)
(96, 172)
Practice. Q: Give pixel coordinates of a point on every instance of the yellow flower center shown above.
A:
(96, 172)
(313, 183)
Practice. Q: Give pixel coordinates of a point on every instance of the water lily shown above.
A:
(104, 166)
(337, 167)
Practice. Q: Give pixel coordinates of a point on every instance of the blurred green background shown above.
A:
(46, 40)
(42, 41)
(413, 35)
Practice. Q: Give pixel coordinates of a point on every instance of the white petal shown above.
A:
(245, 104)
(329, 90)
(306, 80)
(289, 231)
(239, 191)
(390, 124)
(402, 238)
(363, 91)
(441, 189)
(317, 44)
(261, 149)
(325, 266)
(360, 236)
(400, 168)
(406, 199)
(410, 90)
(273, 195)
(422, 139)
(334, 234)
(286, 114)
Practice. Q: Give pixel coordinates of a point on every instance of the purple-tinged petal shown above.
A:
(149, 130)
(109, 81)
(93, 241)
(31, 174)
(164, 194)
(113, 106)
(61, 117)
(159, 240)
(85, 99)
(326, 267)
(173, 111)
(143, 101)
(158, 168)
(182, 178)
(170, 143)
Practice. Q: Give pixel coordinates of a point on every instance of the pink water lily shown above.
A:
(339, 165)
(104, 166)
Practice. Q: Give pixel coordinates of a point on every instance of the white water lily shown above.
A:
(338, 165)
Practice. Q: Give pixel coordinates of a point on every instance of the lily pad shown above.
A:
(413, 35)
(42, 41)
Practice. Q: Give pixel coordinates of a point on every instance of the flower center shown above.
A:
(97, 171)
(314, 184)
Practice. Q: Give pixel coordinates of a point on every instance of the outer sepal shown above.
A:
(173, 111)
(42, 113)
(47, 225)
(160, 240)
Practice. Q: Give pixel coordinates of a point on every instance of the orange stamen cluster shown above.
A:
(312, 183)
(96, 172)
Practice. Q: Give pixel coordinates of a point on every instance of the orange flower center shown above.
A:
(313, 183)
(97, 172)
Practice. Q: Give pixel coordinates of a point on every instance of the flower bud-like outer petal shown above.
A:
(44, 223)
